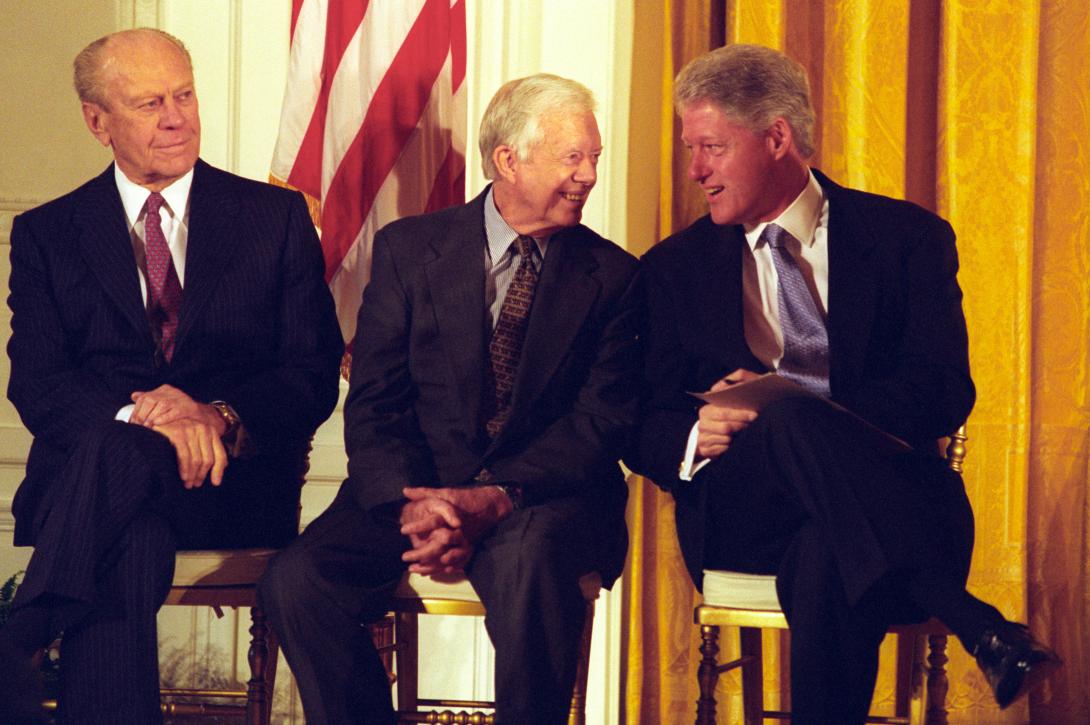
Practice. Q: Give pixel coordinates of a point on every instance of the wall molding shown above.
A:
(234, 87)
(138, 14)
(11, 207)
(7, 519)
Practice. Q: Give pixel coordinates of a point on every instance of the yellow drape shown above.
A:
(980, 110)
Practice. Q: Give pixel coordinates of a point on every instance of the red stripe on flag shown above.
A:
(449, 186)
(392, 117)
(342, 22)
(458, 45)
(296, 6)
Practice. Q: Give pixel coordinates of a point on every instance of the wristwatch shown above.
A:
(231, 420)
(484, 477)
(514, 493)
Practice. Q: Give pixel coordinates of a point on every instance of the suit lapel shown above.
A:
(106, 247)
(853, 285)
(565, 294)
(455, 278)
(214, 233)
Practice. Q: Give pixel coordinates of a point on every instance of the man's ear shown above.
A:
(779, 137)
(95, 118)
(505, 160)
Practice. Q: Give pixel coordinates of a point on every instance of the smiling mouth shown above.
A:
(712, 190)
(573, 197)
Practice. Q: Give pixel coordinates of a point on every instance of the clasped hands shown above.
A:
(444, 524)
(717, 425)
(194, 429)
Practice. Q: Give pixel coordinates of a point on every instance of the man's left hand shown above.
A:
(481, 507)
(167, 404)
(439, 547)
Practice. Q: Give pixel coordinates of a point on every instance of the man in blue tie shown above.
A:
(854, 297)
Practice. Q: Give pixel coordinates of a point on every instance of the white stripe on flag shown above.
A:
(365, 63)
(304, 84)
(404, 192)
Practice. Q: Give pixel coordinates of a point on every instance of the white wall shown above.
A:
(239, 49)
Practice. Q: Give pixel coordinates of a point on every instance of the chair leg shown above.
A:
(937, 684)
(753, 700)
(707, 674)
(257, 701)
(408, 653)
(578, 713)
(270, 673)
(905, 677)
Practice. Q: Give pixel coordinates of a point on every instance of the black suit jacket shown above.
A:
(256, 327)
(413, 413)
(897, 338)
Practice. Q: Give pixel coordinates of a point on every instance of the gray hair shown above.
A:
(513, 115)
(91, 63)
(752, 84)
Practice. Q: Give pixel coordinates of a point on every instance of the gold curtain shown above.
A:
(979, 110)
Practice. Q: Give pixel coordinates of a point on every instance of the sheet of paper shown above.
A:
(758, 393)
(755, 394)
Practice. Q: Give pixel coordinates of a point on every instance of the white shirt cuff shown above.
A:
(125, 413)
(689, 465)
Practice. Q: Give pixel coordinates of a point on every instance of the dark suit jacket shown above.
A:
(413, 413)
(897, 339)
(256, 327)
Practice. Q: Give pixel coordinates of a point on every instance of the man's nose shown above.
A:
(697, 169)
(587, 172)
(171, 115)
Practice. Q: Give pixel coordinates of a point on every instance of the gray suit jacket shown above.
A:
(413, 414)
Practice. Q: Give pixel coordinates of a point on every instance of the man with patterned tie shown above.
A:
(854, 297)
(173, 349)
(494, 379)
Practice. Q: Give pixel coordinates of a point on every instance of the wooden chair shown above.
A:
(749, 602)
(227, 578)
(418, 595)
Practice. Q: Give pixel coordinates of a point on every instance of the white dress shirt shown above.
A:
(175, 225)
(807, 221)
(175, 222)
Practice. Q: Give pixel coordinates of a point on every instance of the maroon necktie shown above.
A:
(506, 345)
(164, 289)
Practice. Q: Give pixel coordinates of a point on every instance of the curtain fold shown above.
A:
(980, 111)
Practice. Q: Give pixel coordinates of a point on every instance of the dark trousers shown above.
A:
(341, 573)
(846, 526)
(104, 558)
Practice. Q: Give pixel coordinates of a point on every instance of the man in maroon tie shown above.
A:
(173, 349)
(494, 378)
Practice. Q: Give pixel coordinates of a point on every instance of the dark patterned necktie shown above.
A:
(506, 345)
(805, 340)
(164, 288)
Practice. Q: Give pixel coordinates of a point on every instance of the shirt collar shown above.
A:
(800, 219)
(499, 233)
(134, 196)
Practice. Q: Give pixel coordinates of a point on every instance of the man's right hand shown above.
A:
(199, 448)
(434, 528)
(717, 425)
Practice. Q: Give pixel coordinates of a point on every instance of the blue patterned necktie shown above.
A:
(805, 341)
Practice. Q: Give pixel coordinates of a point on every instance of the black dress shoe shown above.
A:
(21, 688)
(1013, 661)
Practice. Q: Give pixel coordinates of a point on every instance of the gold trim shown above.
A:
(314, 206)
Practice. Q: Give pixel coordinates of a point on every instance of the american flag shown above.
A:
(373, 123)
